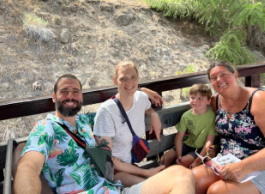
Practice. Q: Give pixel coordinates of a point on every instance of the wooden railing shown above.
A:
(36, 105)
(30, 106)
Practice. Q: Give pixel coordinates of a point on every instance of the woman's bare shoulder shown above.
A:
(213, 102)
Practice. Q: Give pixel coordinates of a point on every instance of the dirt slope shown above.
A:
(88, 38)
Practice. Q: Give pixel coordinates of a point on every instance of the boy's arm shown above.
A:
(208, 143)
(178, 146)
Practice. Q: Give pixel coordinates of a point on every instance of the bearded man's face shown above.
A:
(68, 98)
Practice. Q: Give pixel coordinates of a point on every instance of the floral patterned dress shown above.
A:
(240, 135)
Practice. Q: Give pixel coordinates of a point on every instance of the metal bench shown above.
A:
(37, 105)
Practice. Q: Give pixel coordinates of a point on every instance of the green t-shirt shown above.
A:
(199, 127)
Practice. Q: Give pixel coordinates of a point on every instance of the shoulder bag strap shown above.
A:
(124, 115)
(78, 140)
(217, 102)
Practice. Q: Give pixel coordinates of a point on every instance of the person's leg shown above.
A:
(187, 160)
(232, 187)
(204, 177)
(168, 158)
(127, 179)
(175, 179)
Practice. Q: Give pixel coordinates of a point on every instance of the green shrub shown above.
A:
(32, 19)
(230, 19)
(36, 28)
(188, 69)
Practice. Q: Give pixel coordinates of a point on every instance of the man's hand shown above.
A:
(153, 96)
(155, 125)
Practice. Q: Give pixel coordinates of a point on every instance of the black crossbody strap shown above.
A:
(78, 140)
(124, 115)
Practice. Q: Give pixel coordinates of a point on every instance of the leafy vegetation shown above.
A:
(32, 19)
(233, 20)
(36, 29)
(188, 69)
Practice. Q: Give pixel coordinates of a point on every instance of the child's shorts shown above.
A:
(189, 150)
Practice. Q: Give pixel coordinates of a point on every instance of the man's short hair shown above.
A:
(203, 89)
(65, 76)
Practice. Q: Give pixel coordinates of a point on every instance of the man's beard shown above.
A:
(68, 112)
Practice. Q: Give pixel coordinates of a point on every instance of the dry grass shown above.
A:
(128, 2)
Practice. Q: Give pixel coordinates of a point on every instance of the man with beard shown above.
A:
(66, 167)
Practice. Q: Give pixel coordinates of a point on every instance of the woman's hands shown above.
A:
(153, 96)
(233, 171)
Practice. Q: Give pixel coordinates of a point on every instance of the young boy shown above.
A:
(199, 123)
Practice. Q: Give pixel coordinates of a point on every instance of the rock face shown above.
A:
(124, 20)
(91, 38)
(65, 36)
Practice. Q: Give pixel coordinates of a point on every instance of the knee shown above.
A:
(215, 188)
(201, 181)
(178, 171)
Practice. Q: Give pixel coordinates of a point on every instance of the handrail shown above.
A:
(37, 105)
(11, 144)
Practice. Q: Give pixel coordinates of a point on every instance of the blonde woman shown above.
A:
(110, 127)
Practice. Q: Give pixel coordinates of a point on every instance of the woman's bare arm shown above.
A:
(126, 167)
(255, 162)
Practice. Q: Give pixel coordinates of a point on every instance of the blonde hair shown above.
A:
(203, 89)
(125, 64)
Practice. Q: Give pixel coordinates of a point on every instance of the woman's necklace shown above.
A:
(222, 105)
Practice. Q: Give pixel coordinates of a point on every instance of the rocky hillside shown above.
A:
(42, 39)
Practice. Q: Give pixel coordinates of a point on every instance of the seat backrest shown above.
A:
(169, 116)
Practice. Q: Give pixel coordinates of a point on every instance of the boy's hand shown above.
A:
(178, 161)
(194, 164)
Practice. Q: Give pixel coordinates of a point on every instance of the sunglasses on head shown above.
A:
(207, 161)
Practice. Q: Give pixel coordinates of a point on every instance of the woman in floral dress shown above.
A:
(241, 126)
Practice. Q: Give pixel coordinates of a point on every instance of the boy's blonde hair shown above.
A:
(125, 64)
(203, 89)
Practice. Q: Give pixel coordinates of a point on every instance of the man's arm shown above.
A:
(155, 124)
(126, 167)
(28, 172)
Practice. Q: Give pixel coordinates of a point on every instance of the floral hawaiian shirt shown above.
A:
(67, 167)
